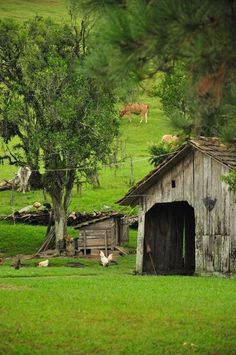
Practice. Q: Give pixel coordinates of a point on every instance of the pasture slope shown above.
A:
(87, 310)
(24, 9)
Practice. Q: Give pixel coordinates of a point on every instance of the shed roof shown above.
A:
(99, 219)
(224, 154)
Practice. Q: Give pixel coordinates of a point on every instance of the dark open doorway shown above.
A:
(169, 243)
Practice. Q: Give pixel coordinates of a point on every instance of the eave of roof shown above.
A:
(213, 148)
(99, 219)
(137, 191)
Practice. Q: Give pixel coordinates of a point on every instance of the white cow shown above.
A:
(22, 178)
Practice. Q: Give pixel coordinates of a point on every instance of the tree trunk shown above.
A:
(60, 215)
(60, 192)
(36, 180)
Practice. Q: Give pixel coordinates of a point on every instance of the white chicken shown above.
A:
(43, 263)
(105, 260)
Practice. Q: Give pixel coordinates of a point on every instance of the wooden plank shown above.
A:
(95, 242)
(177, 182)
(188, 189)
(117, 222)
(140, 242)
(233, 232)
(124, 230)
(225, 205)
(207, 191)
(153, 195)
(106, 241)
(166, 187)
(216, 188)
(96, 233)
(199, 208)
(121, 250)
(217, 253)
(225, 253)
(207, 253)
(99, 225)
(84, 240)
(199, 254)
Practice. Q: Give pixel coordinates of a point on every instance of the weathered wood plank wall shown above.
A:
(197, 180)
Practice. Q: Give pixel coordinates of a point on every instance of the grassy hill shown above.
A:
(25, 9)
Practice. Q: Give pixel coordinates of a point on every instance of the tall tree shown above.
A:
(143, 37)
(56, 108)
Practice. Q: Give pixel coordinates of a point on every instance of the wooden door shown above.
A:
(169, 239)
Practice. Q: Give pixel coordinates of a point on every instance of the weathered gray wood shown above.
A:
(103, 234)
(166, 187)
(140, 242)
(198, 182)
(124, 228)
(233, 232)
(188, 178)
(116, 233)
(106, 241)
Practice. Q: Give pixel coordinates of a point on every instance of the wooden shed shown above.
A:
(105, 232)
(187, 215)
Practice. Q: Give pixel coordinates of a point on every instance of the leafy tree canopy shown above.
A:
(62, 115)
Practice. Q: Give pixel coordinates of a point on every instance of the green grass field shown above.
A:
(96, 310)
(64, 310)
(25, 9)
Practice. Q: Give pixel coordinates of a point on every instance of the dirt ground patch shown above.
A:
(74, 264)
(11, 287)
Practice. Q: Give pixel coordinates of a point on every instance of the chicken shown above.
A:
(110, 256)
(37, 205)
(105, 260)
(17, 264)
(43, 263)
(73, 215)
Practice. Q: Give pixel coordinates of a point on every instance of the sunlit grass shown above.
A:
(94, 309)
(23, 238)
(25, 9)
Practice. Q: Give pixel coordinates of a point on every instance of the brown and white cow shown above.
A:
(137, 109)
(169, 138)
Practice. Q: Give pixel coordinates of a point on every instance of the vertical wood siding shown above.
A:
(197, 177)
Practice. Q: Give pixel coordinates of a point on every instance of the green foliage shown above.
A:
(227, 114)
(172, 89)
(160, 152)
(135, 138)
(58, 108)
(145, 37)
(230, 179)
(176, 99)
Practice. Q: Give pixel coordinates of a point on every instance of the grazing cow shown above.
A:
(169, 138)
(22, 178)
(137, 109)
